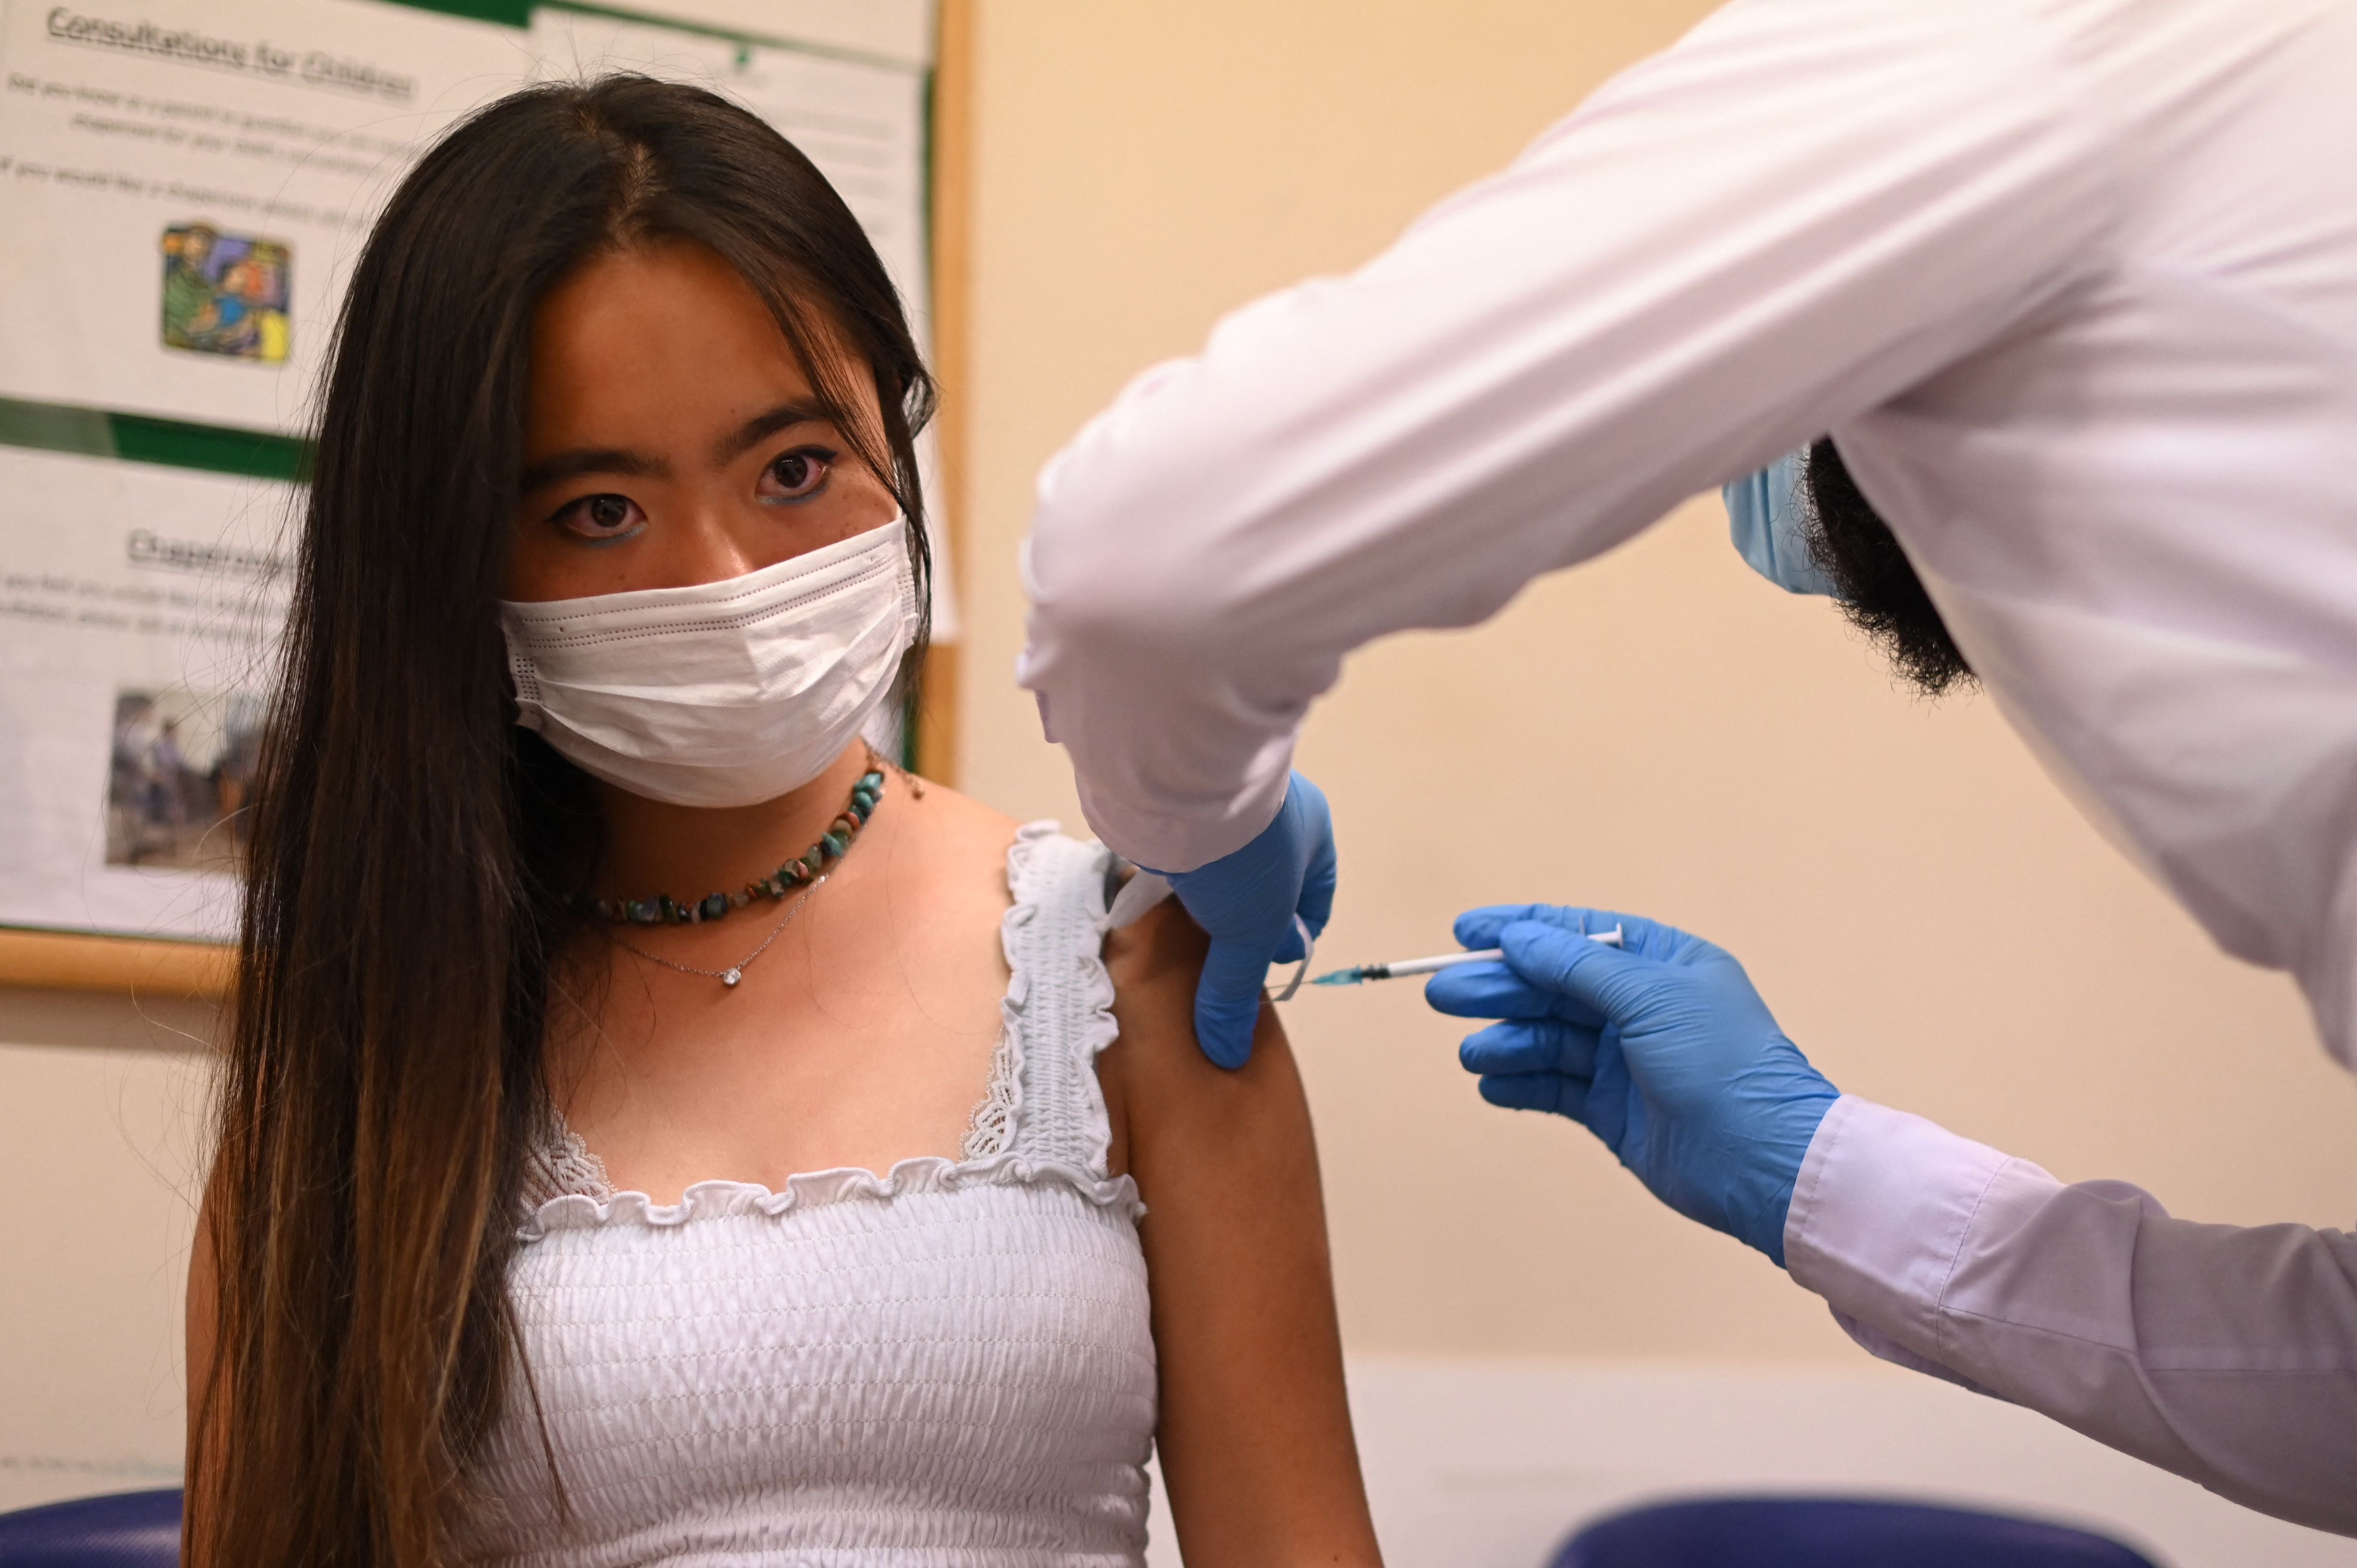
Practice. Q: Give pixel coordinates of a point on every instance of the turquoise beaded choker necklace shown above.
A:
(805, 870)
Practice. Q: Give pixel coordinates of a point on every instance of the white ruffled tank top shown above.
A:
(945, 1366)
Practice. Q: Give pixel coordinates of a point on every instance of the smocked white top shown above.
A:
(948, 1365)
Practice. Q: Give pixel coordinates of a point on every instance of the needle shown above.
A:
(1402, 968)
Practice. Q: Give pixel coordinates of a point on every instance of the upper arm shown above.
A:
(1255, 1429)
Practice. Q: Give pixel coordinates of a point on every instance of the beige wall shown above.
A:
(1660, 731)
(102, 1125)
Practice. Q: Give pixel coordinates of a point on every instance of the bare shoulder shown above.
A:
(1254, 1427)
(1154, 961)
(1160, 1088)
(946, 840)
(948, 819)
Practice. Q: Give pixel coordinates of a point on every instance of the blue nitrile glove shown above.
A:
(1661, 1047)
(1246, 902)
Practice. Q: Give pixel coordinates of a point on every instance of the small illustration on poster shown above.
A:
(180, 778)
(225, 294)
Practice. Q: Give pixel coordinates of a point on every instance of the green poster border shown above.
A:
(518, 14)
(507, 13)
(144, 438)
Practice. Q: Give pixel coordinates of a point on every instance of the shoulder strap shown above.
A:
(1059, 1000)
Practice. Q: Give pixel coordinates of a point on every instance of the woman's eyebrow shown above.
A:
(591, 460)
(762, 426)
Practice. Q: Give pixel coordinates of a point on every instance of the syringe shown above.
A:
(1401, 968)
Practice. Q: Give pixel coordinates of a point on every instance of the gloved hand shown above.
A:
(1246, 901)
(1661, 1047)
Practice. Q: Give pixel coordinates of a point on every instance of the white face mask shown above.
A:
(723, 693)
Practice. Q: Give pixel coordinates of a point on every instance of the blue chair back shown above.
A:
(128, 1530)
(1831, 1532)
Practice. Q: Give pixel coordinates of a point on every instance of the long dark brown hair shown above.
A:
(403, 911)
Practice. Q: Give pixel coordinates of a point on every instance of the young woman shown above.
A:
(656, 1129)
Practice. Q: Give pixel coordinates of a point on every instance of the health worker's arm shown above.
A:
(2226, 1354)
(1254, 1426)
(1803, 209)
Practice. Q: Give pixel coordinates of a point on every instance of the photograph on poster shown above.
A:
(140, 612)
(225, 294)
(180, 777)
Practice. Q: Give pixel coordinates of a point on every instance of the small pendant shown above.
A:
(731, 976)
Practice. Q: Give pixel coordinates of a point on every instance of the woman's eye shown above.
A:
(795, 475)
(602, 518)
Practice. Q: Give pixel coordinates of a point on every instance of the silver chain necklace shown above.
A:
(736, 971)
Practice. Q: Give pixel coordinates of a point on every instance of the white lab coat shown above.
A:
(2073, 284)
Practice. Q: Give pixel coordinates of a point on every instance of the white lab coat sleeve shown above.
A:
(2223, 1353)
(1799, 211)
